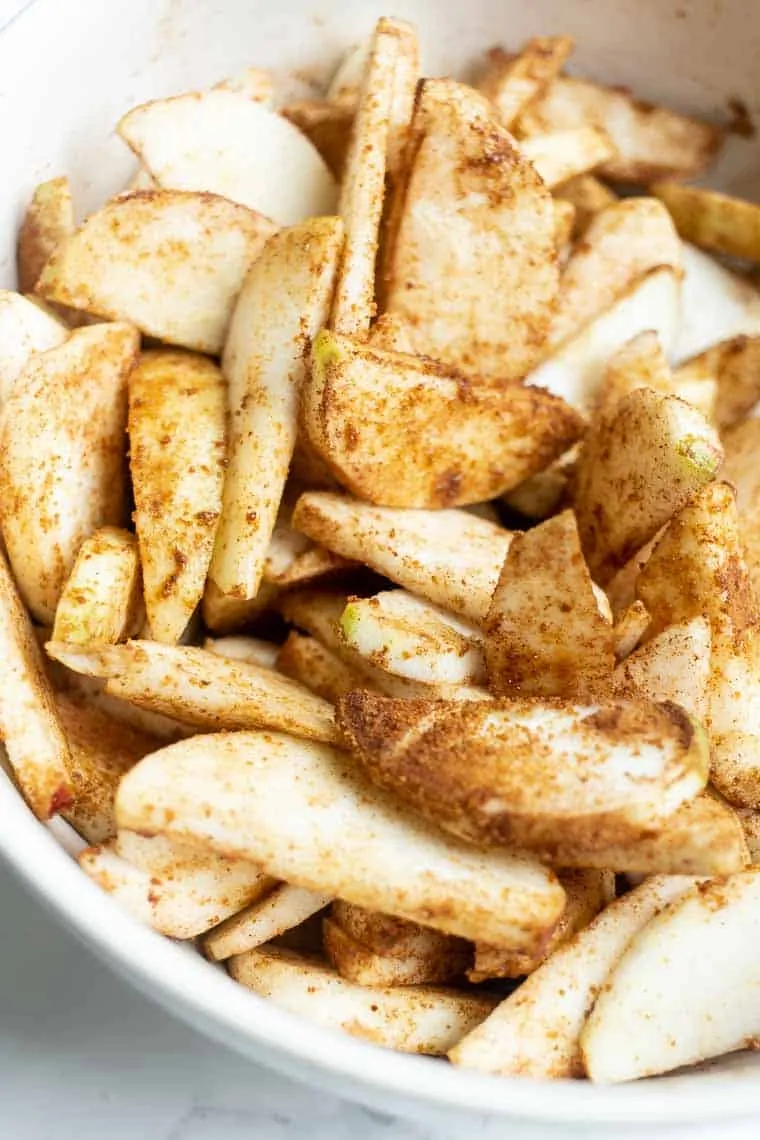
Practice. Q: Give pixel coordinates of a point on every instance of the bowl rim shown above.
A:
(206, 997)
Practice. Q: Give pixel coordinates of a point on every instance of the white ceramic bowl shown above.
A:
(69, 69)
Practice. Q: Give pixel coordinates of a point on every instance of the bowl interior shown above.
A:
(70, 68)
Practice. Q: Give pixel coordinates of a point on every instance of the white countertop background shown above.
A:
(85, 1057)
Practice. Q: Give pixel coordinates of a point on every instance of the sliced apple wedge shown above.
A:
(49, 221)
(30, 729)
(284, 301)
(369, 412)
(179, 397)
(703, 837)
(25, 328)
(283, 908)
(713, 221)
(449, 557)
(390, 937)
(71, 401)
(630, 627)
(733, 366)
(222, 142)
(531, 773)
(742, 444)
(673, 666)
(390, 861)
(545, 635)
(470, 261)
(409, 1019)
(698, 569)
(588, 196)
(406, 636)
(201, 688)
(576, 368)
(511, 82)
(635, 470)
(716, 304)
(640, 363)
(250, 649)
(101, 602)
(663, 1006)
(170, 262)
(321, 614)
(623, 242)
(380, 122)
(562, 155)
(101, 751)
(651, 142)
(442, 960)
(179, 889)
(587, 892)
(536, 1031)
(307, 660)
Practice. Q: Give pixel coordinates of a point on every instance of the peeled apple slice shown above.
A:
(686, 989)
(576, 369)
(222, 142)
(717, 304)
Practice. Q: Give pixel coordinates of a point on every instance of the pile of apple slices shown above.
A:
(384, 491)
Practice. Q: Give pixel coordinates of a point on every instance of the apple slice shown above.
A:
(25, 328)
(562, 155)
(49, 221)
(663, 1006)
(62, 457)
(201, 688)
(362, 189)
(531, 773)
(181, 397)
(703, 837)
(168, 261)
(674, 666)
(266, 918)
(369, 412)
(545, 635)
(101, 751)
(223, 143)
(283, 303)
(742, 444)
(251, 649)
(320, 613)
(101, 602)
(587, 893)
(536, 1031)
(511, 82)
(228, 790)
(406, 636)
(733, 366)
(576, 368)
(651, 142)
(307, 660)
(409, 1019)
(622, 244)
(629, 628)
(713, 221)
(449, 557)
(30, 729)
(637, 467)
(359, 963)
(588, 196)
(177, 888)
(716, 304)
(470, 260)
